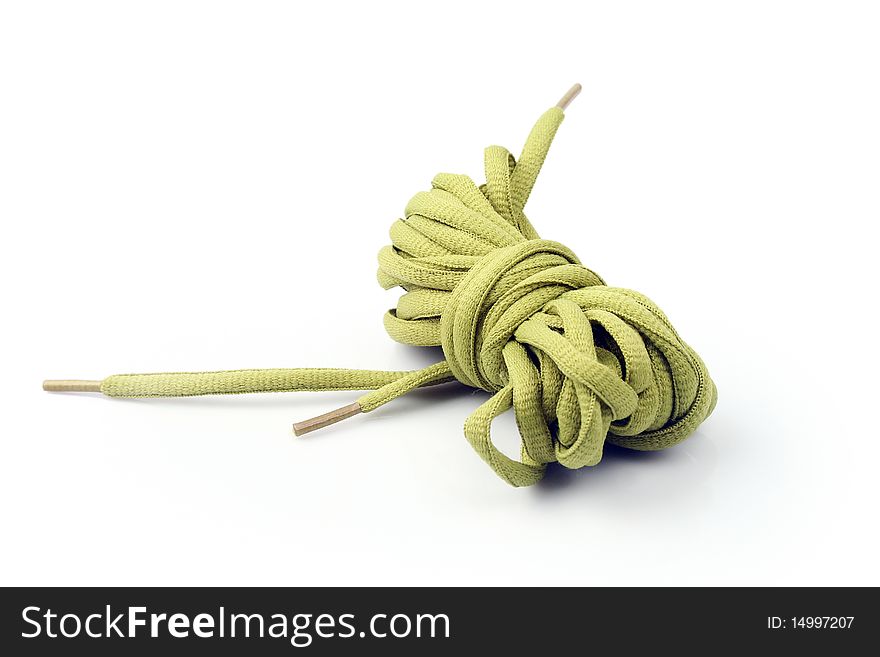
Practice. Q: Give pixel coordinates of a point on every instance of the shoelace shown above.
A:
(516, 315)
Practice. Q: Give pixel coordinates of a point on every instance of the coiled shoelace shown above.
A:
(516, 315)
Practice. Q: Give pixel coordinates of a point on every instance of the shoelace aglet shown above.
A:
(71, 385)
(569, 96)
(325, 420)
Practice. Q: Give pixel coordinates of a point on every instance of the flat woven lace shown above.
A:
(516, 315)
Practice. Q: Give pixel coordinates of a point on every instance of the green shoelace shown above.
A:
(516, 315)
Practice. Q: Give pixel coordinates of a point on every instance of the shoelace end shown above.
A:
(569, 96)
(71, 385)
(325, 420)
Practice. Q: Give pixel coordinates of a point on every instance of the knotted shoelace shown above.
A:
(516, 315)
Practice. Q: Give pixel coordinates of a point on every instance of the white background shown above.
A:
(190, 186)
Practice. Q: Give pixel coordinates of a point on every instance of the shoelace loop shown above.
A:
(519, 316)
